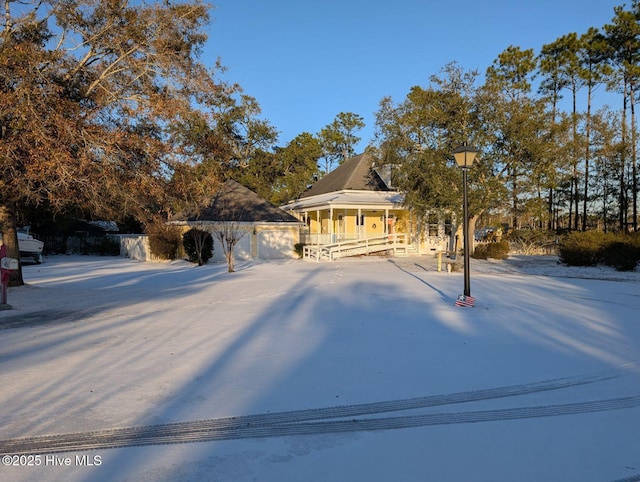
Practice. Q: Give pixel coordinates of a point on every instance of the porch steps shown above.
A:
(412, 250)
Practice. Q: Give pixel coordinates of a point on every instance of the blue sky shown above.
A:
(306, 61)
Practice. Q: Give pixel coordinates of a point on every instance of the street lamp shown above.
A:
(464, 157)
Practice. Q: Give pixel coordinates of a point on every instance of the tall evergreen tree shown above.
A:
(606, 146)
(339, 139)
(592, 54)
(551, 64)
(510, 79)
(623, 35)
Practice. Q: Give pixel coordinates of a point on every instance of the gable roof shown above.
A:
(234, 202)
(356, 173)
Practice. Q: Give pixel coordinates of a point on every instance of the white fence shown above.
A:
(273, 244)
(135, 246)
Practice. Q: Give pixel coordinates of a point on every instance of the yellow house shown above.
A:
(354, 210)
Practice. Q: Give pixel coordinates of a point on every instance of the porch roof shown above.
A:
(348, 199)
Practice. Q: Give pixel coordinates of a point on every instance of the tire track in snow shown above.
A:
(206, 431)
(632, 478)
(326, 420)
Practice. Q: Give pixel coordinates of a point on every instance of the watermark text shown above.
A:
(51, 460)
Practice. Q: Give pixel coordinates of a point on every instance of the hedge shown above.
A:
(497, 250)
(589, 248)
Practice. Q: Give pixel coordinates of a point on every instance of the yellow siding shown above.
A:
(374, 222)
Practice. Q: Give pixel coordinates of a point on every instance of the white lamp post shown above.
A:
(464, 157)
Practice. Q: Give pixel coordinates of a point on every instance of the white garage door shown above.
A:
(275, 245)
(242, 250)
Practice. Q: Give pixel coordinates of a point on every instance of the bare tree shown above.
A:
(229, 233)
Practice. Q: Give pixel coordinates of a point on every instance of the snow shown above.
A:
(98, 343)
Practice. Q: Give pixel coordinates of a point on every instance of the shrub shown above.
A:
(164, 240)
(480, 252)
(582, 248)
(621, 251)
(198, 245)
(498, 250)
(621, 255)
(299, 249)
(529, 241)
(634, 241)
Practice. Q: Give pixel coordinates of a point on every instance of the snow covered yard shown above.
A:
(539, 381)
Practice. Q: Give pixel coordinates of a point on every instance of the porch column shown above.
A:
(331, 224)
(307, 230)
(386, 221)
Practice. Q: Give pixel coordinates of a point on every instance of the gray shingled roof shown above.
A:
(234, 202)
(356, 173)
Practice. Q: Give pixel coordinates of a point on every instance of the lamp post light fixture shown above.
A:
(464, 157)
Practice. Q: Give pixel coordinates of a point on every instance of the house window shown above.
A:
(360, 220)
(448, 227)
(432, 224)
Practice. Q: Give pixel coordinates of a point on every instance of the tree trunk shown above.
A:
(230, 266)
(622, 200)
(587, 152)
(199, 243)
(472, 229)
(515, 221)
(574, 153)
(10, 239)
(550, 222)
(634, 177)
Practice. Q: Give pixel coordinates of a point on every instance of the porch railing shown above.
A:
(326, 238)
(396, 243)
